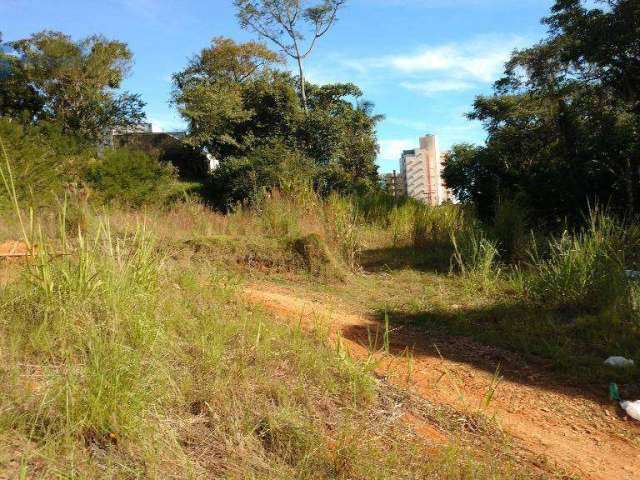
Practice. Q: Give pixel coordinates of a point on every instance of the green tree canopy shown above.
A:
(564, 122)
(223, 91)
(237, 102)
(52, 77)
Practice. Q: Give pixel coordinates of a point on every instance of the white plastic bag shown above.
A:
(632, 408)
(619, 362)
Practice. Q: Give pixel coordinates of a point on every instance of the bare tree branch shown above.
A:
(283, 22)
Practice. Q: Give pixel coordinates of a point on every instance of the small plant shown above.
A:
(496, 379)
(387, 334)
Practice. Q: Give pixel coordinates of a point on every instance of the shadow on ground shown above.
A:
(529, 345)
(400, 258)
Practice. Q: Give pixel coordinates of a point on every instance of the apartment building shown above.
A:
(421, 170)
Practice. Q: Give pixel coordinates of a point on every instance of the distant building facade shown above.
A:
(421, 171)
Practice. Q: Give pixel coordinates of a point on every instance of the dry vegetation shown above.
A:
(137, 356)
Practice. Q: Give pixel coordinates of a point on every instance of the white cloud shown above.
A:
(480, 60)
(391, 149)
(431, 87)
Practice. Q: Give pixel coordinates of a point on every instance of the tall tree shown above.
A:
(564, 122)
(18, 99)
(246, 111)
(340, 135)
(231, 97)
(293, 25)
(77, 82)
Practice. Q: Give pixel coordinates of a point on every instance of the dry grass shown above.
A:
(135, 357)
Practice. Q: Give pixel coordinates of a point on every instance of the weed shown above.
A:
(496, 379)
(475, 257)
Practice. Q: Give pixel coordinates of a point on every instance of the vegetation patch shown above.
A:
(315, 256)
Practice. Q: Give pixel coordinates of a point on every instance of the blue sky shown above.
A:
(421, 62)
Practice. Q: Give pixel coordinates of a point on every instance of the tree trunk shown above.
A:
(303, 89)
(629, 188)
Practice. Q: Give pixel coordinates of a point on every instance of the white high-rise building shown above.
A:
(421, 171)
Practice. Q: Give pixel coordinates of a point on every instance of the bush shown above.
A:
(583, 271)
(130, 177)
(247, 179)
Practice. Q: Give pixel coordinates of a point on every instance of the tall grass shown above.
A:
(433, 226)
(475, 257)
(584, 270)
(401, 221)
(342, 222)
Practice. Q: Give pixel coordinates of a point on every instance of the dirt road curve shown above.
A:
(581, 435)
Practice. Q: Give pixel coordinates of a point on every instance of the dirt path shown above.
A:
(576, 434)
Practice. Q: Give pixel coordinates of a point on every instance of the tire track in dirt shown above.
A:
(574, 434)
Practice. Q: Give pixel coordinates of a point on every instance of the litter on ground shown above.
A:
(632, 408)
(619, 362)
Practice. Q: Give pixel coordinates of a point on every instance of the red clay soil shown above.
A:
(14, 249)
(574, 432)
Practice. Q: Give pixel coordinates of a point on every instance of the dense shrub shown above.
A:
(129, 177)
(47, 164)
(246, 179)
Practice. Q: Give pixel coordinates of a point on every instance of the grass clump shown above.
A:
(433, 226)
(316, 257)
(584, 271)
(475, 256)
(342, 223)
